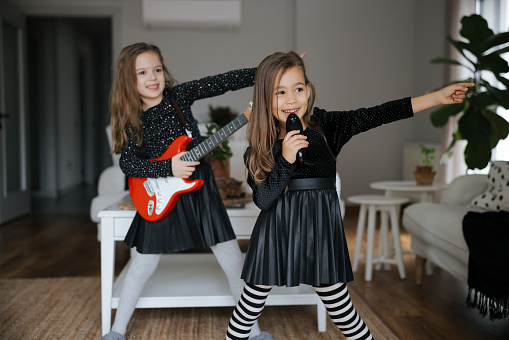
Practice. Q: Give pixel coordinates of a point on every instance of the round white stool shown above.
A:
(388, 206)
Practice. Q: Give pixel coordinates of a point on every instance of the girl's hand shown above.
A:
(293, 142)
(182, 168)
(453, 94)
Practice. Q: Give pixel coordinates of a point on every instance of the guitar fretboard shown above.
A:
(217, 138)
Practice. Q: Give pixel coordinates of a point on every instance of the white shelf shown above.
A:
(170, 285)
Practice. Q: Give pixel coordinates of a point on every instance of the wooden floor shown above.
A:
(53, 244)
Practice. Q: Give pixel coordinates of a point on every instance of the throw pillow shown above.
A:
(496, 196)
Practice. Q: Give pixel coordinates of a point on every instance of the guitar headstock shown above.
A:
(248, 111)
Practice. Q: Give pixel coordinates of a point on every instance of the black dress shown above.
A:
(199, 218)
(298, 236)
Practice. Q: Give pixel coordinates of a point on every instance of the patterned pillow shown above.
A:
(496, 196)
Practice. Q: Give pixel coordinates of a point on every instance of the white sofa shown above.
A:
(437, 230)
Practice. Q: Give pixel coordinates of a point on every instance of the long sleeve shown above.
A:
(340, 126)
(212, 86)
(266, 194)
(134, 163)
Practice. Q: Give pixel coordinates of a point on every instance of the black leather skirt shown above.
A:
(299, 240)
(198, 220)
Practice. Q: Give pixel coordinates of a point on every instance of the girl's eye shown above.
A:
(299, 89)
(279, 93)
(141, 73)
(159, 70)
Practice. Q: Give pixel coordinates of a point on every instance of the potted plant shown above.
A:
(219, 158)
(480, 125)
(424, 173)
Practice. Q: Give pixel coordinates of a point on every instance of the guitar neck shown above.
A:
(213, 141)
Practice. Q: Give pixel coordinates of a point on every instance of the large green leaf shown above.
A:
(494, 63)
(440, 116)
(499, 127)
(503, 80)
(498, 39)
(501, 96)
(475, 29)
(461, 46)
(474, 126)
(501, 51)
(482, 100)
(477, 155)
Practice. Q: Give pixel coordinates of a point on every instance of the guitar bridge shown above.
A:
(148, 188)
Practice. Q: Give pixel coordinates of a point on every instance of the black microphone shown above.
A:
(293, 123)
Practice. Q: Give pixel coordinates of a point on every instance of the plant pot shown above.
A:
(424, 175)
(221, 169)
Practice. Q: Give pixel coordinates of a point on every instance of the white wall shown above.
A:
(360, 53)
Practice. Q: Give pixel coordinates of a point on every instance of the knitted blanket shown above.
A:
(487, 237)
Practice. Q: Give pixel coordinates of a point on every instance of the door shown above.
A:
(14, 188)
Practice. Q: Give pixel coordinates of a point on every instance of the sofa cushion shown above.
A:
(439, 225)
(463, 189)
(496, 195)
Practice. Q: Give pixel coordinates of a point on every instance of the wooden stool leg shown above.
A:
(397, 242)
(358, 238)
(371, 236)
(419, 269)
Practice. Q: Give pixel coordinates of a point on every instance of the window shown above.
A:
(496, 12)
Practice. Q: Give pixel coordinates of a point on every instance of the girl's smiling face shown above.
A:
(290, 96)
(150, 79)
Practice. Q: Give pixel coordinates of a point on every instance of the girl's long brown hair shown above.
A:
(125, 103)
(263, 128)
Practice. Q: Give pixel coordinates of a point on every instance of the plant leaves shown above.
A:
(475, 29)
(501, 96)
(460, 46)
(494, 63)
(477, 155)
(474, 126)
(440, 116)
(503, 80)
(446, 61)
(498, 39)
(481, 100)
(501, 51)
(499, 127)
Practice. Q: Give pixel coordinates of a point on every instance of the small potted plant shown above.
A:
(424, 173)
(219, 157)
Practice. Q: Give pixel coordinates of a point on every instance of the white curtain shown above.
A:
(456, 165)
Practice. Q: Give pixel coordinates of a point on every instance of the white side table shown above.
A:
(387, 206)
(425, 193)
(185, 280)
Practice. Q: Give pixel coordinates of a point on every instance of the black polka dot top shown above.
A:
(161, 124)
(338, 127)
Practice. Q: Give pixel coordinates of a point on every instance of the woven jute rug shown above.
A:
(70, 308)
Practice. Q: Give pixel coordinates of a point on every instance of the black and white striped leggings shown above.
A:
(335, 298)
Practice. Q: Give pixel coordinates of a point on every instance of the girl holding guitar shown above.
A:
(149, 110)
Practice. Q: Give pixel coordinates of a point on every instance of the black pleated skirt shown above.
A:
(198, 220)
(299, 240)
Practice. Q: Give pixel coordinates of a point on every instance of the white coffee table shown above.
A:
(185, 280)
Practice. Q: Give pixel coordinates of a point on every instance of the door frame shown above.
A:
(16, 203)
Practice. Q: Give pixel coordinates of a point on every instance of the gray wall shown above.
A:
(359, 53)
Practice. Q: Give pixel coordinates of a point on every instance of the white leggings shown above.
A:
(143, 266)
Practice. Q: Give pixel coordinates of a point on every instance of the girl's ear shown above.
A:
(308, 86)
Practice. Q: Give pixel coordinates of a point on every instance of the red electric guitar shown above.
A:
(154, 198)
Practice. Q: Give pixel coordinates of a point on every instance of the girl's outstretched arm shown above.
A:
(452, 94)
